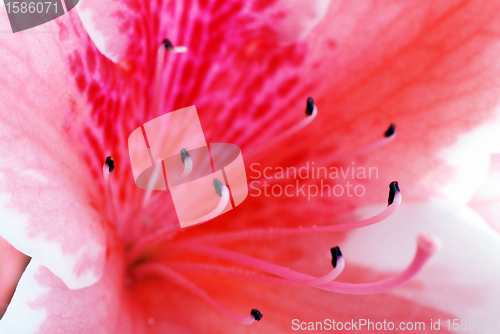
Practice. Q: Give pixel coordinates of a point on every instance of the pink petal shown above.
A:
(110, 23)
(470, 158)
(364, 74)
(461, 279)
(116, 26)
(279, 305)
(44, 304)
(48, 206)
(487, 197)
(428, 68)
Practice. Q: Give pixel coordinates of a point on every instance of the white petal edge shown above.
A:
(50, 253)
(467, 266)
(19, 317)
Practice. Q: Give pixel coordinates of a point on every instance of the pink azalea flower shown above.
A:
(100, 264)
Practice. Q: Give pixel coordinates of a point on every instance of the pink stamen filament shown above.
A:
(154, 239)
(362, 150)
(158, 96)
(105, 173)
(266, 233)
(365, 149)
(166, 272)
(151, 183)
(312, 282)
(297, 127)
(428, 245)
(111, 207)
(188, 167)
(160, 60)
(215, 212)
(179, 49)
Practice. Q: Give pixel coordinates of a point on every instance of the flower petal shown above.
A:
(48, 208)
(470, 160)
(116, 27)
(461, 279)
(486, 200)
(111, 25)
(44, 304)
(428, 68)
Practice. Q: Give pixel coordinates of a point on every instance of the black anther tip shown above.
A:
(256, 314)
(390, 131)
(111, 164)
(184, 154)
(335, 255)
(309, 106)
(168, 44)
(218, 187)
(393, 189)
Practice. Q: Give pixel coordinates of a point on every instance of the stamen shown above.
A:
(158, 96)
(256, 314)
(336, 253)
(151, 182)
(110, 162)
(273, 232)
(188, 164)
(391, 130)
(154, 239)
(166, 272)
(166, 46)
(223, 193)
(174, 49)
(309, 106)
(218, 187)
(393, 189)
(264, 266)
(427, 246)
(389, 135)
(311, 113)
(107, 169)
(105, 172)
(184, 154)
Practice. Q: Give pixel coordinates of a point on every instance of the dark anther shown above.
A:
(168, 45)
(218, 187)
(335, 255)
(309, 106)
(393, 189)
(184, 154)
(390, 131)
(256, 314)
(111, 164)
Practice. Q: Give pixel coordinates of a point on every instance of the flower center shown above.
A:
(144, 263)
